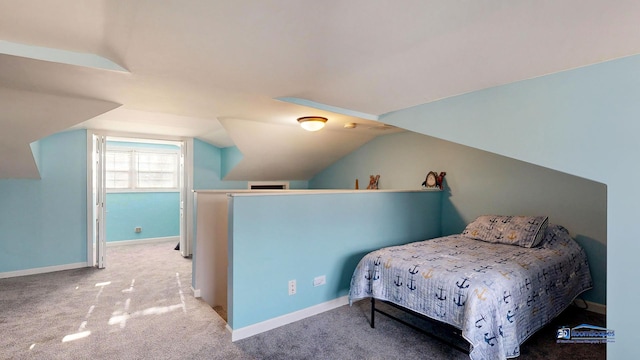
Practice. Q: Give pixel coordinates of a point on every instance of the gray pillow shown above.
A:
(525, 231)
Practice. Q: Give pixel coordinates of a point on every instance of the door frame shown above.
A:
(186, 223)
(97, 199)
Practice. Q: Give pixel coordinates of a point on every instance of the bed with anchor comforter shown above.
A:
(497, 294)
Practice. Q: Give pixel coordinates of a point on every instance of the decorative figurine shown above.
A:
(373, 182)
(433, 180)
(440, 179)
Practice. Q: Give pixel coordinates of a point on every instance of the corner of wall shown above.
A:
(230, 157)
(35, 150)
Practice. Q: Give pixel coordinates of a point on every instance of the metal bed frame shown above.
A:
(457, 332)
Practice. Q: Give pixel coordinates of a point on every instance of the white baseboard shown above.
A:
(596, 308)
(144, 241)
(42, 270)
(196, 293)
(270, 324)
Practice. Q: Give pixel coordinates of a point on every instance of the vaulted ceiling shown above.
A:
(241, 72)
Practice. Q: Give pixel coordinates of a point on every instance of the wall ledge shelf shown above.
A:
(245, 192)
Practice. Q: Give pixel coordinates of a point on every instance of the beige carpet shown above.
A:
(141, 307)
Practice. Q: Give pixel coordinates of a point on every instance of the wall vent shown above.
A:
(268, 185)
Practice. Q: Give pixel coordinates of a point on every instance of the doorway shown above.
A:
(134, 167)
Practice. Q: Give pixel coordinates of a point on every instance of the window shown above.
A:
(118, 168)
(157, 170)
(141, 169)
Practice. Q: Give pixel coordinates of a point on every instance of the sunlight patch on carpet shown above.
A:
(184, 305)
(122, 317)
(130, 289)
(76, 336)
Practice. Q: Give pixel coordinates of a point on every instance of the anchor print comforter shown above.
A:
(497, 294)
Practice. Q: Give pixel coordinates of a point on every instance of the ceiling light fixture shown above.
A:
(312, 123)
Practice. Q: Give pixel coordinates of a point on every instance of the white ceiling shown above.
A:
(213, 69)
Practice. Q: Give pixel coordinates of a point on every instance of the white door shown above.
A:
(185, 246)
(99, 197)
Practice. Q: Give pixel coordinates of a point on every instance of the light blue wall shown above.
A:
(583, 122)
(479, 182)
(207, 174)
(277, 238)
(43, 222)
(231, 156)
(207, 168)
(210, 165)
(157, 213)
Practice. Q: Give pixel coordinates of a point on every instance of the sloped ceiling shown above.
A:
(214, 69)
(287, 152)
(29, 116)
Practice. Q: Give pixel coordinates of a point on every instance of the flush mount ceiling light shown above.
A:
(312, 123)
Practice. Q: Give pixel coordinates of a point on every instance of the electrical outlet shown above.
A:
(292, 287)
(319, 280)
(138, 229)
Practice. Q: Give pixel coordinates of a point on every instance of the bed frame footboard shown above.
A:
(454, 330)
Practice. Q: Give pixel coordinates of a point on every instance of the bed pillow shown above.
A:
(525, 231)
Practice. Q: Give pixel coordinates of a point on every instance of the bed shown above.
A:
(498, 282)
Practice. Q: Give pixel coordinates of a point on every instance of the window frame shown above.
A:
(133, 169)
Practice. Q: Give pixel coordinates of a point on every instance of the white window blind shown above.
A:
(141, 169)
(157, 170)
(118, 169)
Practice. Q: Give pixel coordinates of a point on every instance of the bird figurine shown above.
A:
(440, 179)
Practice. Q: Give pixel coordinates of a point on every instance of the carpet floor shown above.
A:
(141, 307)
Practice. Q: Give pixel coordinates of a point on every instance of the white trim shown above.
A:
(90, 225)
(174, 149)
(143, 241)
(246, 192)
(186, 143)
(271, 324)
(147, 137)
(196, 293)
(189, 218)
(153, 140)
(143, 190)
(42, 270)
(596, 308)
(94, 244)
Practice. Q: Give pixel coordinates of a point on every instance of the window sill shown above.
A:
(124, 191)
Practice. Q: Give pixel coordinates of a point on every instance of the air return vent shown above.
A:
(268, 185)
